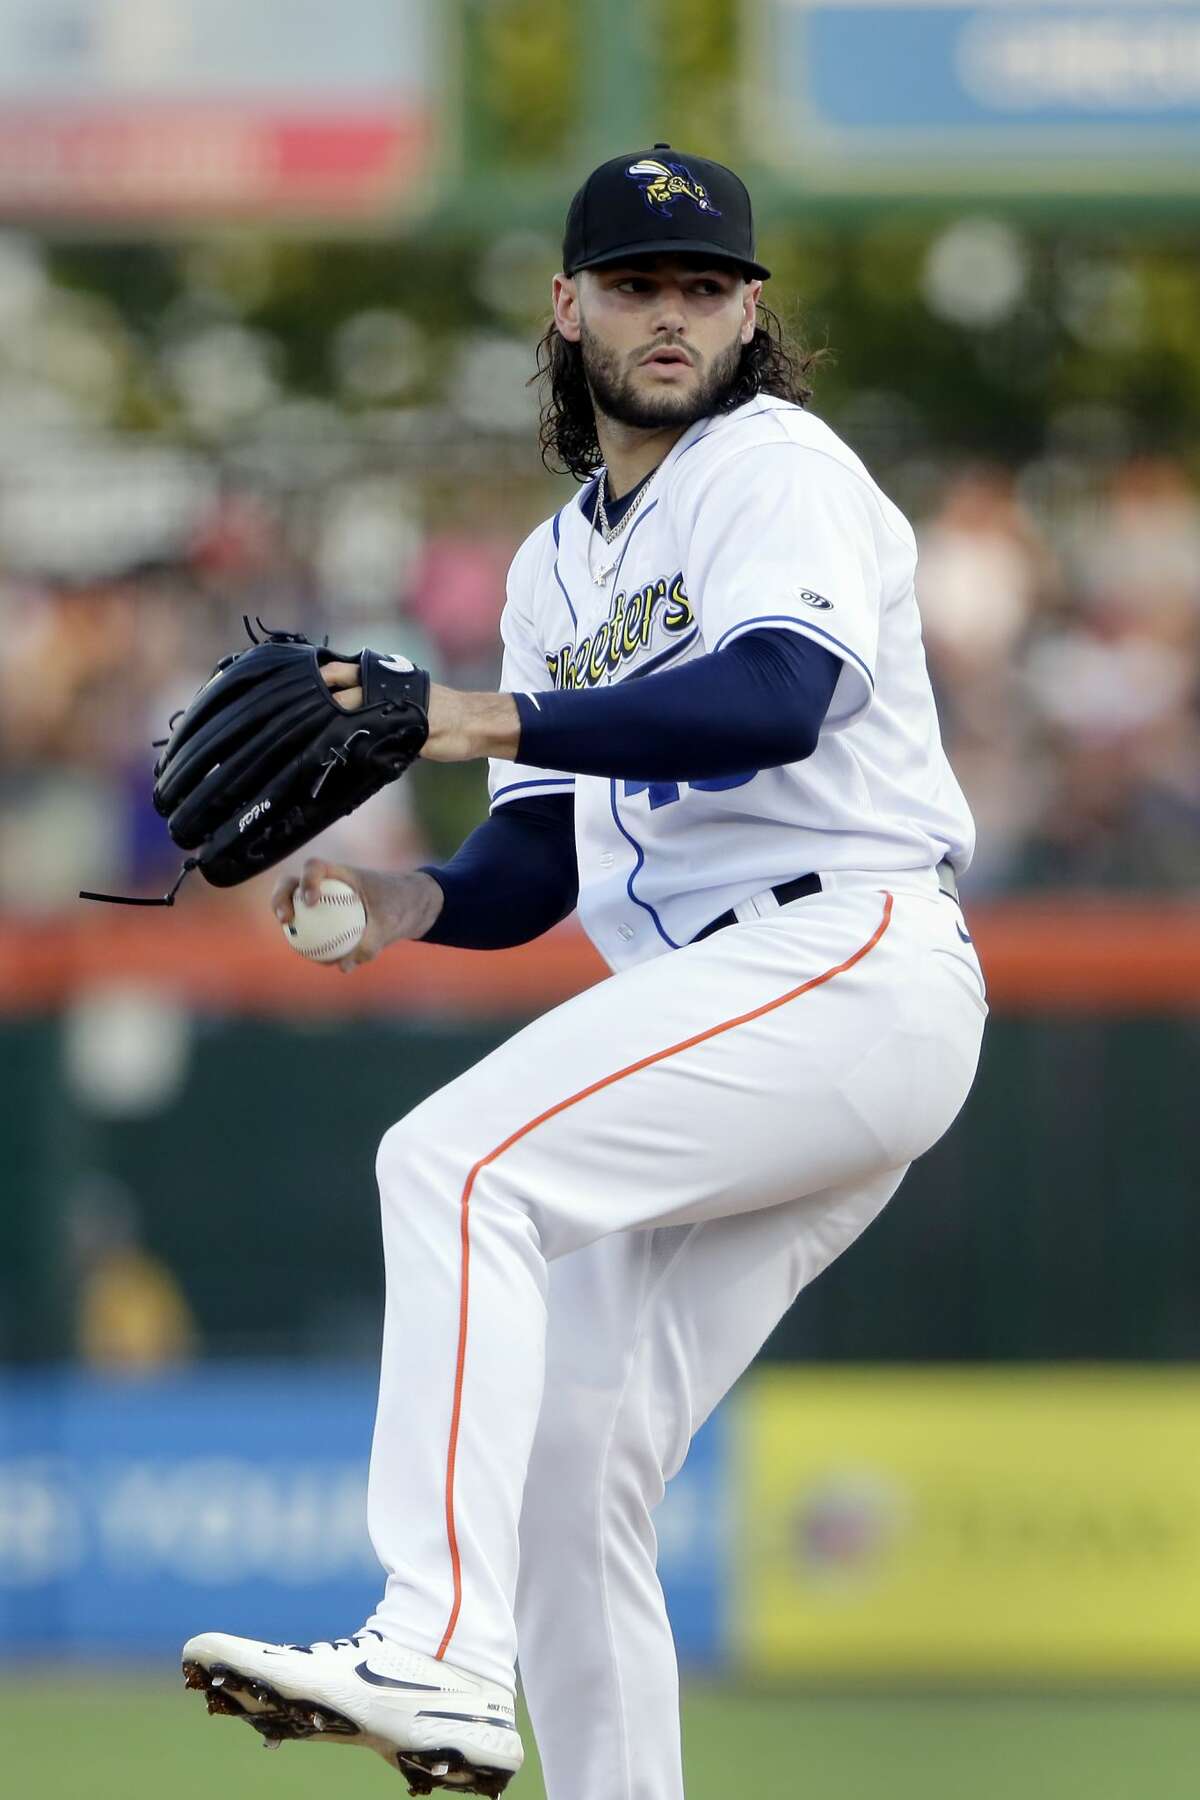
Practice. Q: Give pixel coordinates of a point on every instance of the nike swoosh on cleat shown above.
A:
(469, 1719)
(368, 1674)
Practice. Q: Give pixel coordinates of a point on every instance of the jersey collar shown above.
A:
(695, 431)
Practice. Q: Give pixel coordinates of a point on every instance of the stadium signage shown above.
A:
(997, 95)
(179, 109)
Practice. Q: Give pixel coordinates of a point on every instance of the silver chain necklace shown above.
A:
(612, 533)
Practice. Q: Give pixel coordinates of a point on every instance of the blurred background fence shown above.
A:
(269, 287)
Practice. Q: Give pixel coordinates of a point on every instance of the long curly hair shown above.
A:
(771, 363)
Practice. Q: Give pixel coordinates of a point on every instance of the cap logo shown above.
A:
(663, 184)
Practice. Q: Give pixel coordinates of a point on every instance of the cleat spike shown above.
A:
(414, 1774)
(239, 1688)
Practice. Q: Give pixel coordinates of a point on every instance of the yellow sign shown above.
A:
(970, 1522)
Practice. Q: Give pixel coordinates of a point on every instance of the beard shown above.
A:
(614, 394)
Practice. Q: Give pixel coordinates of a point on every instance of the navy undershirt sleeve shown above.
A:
(757, 704)
(512, 879)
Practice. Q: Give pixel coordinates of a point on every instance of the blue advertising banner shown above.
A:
(135, 1513)
(1036, 93)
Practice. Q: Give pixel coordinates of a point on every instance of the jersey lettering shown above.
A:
(760, 520)
(662, 793)
(665, 793)
(626, 632)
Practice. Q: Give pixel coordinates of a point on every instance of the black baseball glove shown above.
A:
(264, 758)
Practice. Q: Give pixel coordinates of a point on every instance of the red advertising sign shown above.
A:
(189, 108)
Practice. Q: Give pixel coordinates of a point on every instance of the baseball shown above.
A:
(329, 928)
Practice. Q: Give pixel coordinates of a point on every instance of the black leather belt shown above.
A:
(799, 889)
(803, 885)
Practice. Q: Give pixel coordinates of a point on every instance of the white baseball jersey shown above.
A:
(761, 518)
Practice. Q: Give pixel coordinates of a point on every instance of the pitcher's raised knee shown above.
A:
(418, 1160)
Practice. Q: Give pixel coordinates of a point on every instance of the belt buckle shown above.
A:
(947, 880)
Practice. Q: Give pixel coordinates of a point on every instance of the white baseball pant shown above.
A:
(588, 1236)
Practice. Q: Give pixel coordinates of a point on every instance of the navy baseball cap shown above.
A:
(657, 201)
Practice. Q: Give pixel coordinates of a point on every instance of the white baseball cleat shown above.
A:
(441, 1727)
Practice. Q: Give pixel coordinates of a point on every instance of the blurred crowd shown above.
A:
(1064, 645)
(94, 663)
(1063, 642)
(1060, 595)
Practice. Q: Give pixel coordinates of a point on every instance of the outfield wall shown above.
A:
(1024, 1525)
(135, 1513)
(1057, 1220)
(948, 1525)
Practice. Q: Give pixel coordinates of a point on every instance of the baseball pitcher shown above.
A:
(716, 739)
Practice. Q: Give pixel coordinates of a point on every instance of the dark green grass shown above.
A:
(145, 1739)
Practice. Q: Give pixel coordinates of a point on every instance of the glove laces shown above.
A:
(190, 863)
(270, 635)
